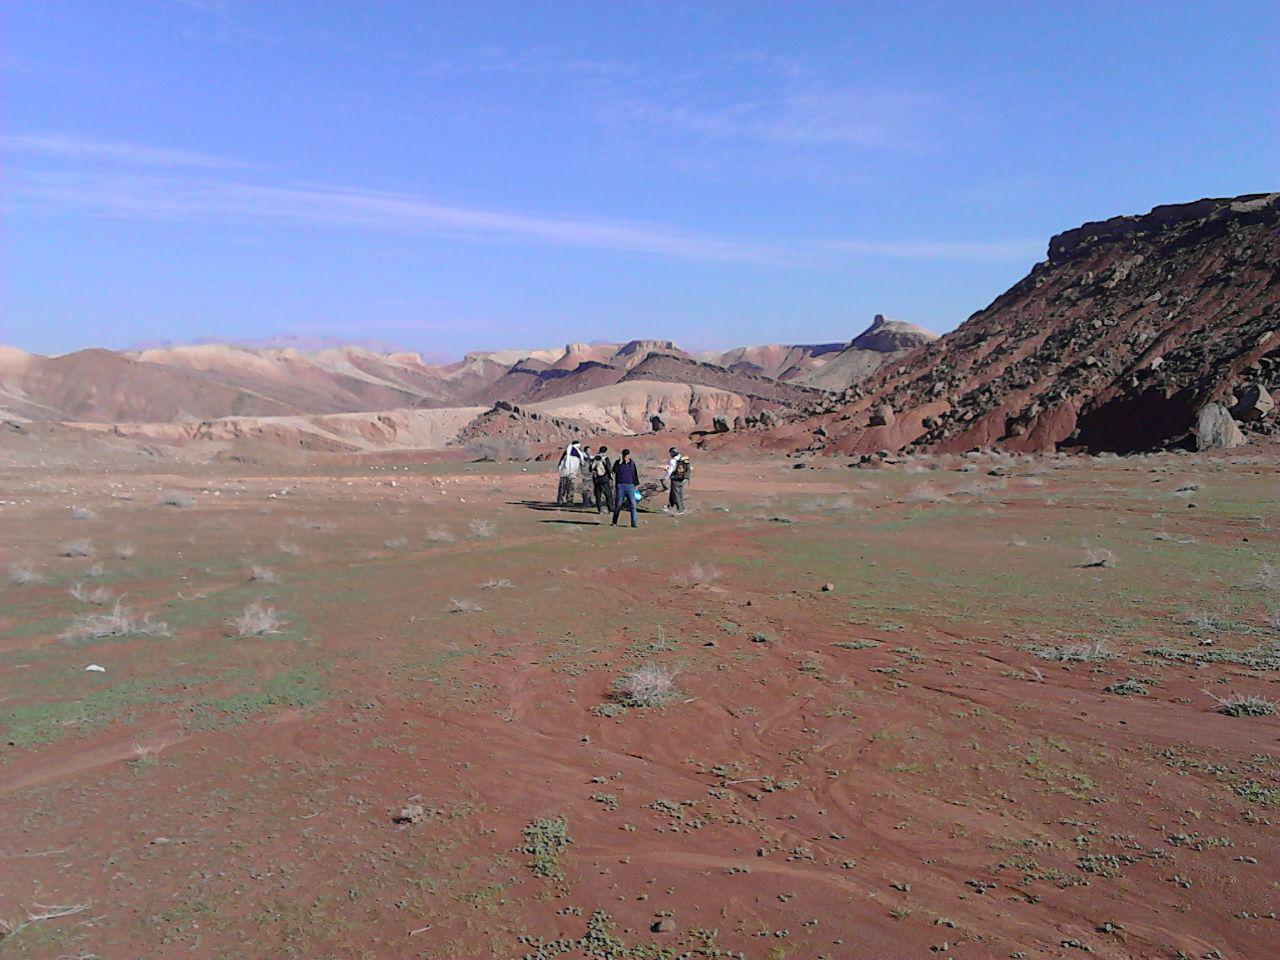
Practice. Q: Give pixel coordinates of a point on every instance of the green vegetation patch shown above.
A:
(546, 840)
(302, 687)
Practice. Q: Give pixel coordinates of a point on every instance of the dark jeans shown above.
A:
(604, 495)
(626, 494)
(676, 498)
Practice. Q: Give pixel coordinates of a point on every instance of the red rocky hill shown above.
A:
(1115, 342)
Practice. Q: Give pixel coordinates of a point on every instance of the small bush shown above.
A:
(20, 574)
(83, 513)
(116, 623)
(76, 548)
(1097, 557)
(1240, 705)
(289, 548)
(482, 529)
(546, 840)
(260, 574)
(463, 605)
(1127, 688)
(647, 686)
(176, 498)
(126, 551)
(396, 543)
(697, 574)
(1268, 576)
(925, 493)
(503, 584)
(1076, 653)
(96, 596)
(256, 621)
(439, 535)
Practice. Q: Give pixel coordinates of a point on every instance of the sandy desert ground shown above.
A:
(1005, 730)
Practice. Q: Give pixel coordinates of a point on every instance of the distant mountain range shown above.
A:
(289, 377)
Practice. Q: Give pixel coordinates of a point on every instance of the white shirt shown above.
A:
(571, 462)
(671, 465)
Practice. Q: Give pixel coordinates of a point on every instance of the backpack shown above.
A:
(681, 472)
(598, 466)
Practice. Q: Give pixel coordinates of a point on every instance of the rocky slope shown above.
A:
(1115, 342)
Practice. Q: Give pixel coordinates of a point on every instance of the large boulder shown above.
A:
(655, 422)
(882, 416)
(768, 419)
(1253, 403)
(721, 424)
(1216, 429)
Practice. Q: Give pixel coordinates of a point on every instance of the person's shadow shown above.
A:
(579, 508)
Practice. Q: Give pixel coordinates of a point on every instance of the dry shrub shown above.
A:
(396, 543)
(1268, 576)
(649, 685)
(257, 620)
(118, 622)
(1097, 557)
(126, 551)
(76, 548)
(439, 535)
(697, 574)
(463, 605)
(482, 529)
(1243, 705)
(1076, 653)
(21, 574)
(925, 493)
(83, 513)
(176, 498)
(503, 584)
(260, 574)
(289, 547)
(96, 596)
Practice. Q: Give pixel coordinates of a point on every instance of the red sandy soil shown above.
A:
(887, 771)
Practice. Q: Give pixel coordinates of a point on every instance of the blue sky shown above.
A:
(469, 175)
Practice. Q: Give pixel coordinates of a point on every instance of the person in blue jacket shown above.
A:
(627, 475)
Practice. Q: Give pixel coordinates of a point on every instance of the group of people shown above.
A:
(609, 484)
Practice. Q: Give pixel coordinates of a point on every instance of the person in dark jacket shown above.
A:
(601, 469)
(627, 475)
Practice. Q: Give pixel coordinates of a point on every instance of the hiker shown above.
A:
(601, 469)
(588, 500)
(678, 472)
(627, 474)
(569, 468)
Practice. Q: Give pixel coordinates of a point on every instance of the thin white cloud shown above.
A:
(813, 114)
(195, 199)
(970, 251)
(188, 199)
(61, 146)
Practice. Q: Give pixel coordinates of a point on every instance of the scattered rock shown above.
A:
(828, 587)
(1253, 403)
(665, 925)
(412, 813)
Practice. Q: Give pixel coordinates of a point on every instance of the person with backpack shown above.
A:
(569, 469)
(679, 471)
(627, 475)
(601, 469)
